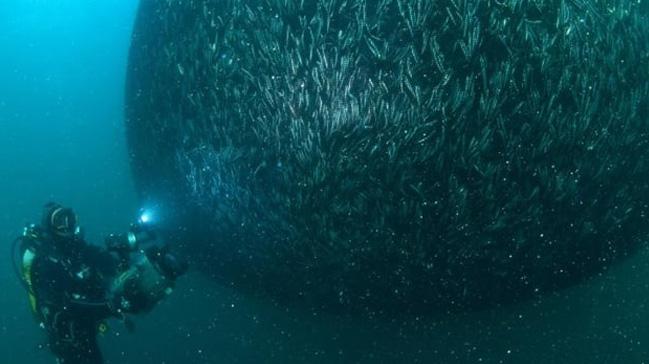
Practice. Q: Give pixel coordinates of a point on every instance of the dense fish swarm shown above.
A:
(395, 155)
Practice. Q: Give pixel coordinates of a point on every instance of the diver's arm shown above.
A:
(106, 265)
(51, 284)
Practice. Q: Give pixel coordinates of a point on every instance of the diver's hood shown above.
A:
(59, 221)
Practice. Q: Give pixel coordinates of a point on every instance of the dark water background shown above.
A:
(62, 68)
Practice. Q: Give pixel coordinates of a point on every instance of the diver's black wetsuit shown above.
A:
(70, 285)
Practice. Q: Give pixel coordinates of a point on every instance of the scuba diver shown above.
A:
(74, 287)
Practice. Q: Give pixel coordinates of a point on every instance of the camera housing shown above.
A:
(138, 234)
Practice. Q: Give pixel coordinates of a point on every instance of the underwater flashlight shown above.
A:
(146, 217)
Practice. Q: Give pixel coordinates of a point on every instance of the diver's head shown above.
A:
(60, 222)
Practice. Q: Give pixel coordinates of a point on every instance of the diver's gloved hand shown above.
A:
(130, 241)
(118, 243)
